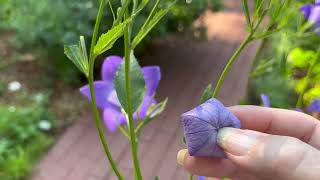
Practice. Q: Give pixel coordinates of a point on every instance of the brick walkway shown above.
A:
(187, 68)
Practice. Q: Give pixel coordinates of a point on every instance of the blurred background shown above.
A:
(46, 130)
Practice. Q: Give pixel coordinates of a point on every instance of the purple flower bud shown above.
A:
(201, 126)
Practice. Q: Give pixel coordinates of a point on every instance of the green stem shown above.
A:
(315, 61)
(230, 63)
(190, 176)
(130, 113)
(92, 93)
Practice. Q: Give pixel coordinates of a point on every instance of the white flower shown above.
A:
(12, 109)
(39, 97)
(44, 125)
(14, 86)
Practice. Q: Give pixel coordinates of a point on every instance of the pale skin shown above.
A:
(274, 144)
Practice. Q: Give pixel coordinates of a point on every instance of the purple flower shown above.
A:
(312, 13)
(315, 106)
(265, 100)
(201, 126)
(201, 178)
(106, 95)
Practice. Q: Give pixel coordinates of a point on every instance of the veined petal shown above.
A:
(152, 76)
(113, 118)
(102, 91)
(201, 126)
(109, 68)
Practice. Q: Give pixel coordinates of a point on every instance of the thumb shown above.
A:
(270, 157)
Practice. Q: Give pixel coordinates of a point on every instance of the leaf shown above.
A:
(106, 40)
(207, 94)
(247, 12)
(73, 52)
(153, 112)
(146, 29)
(140, 7)
(158, 109)
(137, 82)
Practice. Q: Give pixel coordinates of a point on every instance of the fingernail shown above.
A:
(180, 157)
(235, 141)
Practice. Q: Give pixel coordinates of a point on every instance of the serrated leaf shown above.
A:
(106, 40)
(73, 53)
(207, 94)
(138, 86)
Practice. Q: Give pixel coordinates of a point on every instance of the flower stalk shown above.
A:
(133, 138)
(98, 121)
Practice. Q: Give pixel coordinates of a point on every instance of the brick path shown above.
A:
(187, 68)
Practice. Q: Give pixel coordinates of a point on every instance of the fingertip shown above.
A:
(181, 156)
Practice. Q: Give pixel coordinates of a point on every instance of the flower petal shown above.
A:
(306, 10)
(109, 68)
(315, 106)
(113, 118)
(152, 76)
(201, 126)
(314, 17)
(102, 91)
(265, 100)
(143, 109)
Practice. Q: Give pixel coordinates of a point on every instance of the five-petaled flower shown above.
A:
(106, 96)
(312, 13)
(201, 126)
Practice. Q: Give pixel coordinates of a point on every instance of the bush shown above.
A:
(23, 137)
(284, 62)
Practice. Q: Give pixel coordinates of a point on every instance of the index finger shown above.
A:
(279, 122)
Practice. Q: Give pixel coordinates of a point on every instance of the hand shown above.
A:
(277, 145)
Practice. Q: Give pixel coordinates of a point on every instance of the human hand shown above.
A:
(278, 144)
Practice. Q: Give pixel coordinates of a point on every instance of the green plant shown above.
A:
(22, 140)
(39, 30)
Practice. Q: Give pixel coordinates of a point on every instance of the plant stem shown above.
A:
(130, 113)
(190, 176)
(315, 61)
(92, 93)
(230, 63)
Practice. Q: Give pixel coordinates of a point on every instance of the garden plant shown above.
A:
(126, 93)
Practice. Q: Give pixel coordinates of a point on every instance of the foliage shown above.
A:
(22, 141)
(41, 31)
(283, 67)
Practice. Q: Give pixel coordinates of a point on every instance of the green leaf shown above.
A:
(150, 25)
(106, 40)
(247, 12)
(140, 7)
(137, 85)
(74, 53)
(153, 112)
(207, 94)
(158, 109)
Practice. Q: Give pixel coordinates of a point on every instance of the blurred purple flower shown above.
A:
(201, 178)
(312, 13)
(201, 126)
(265, 100)
(106, 95)
(315, 106)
